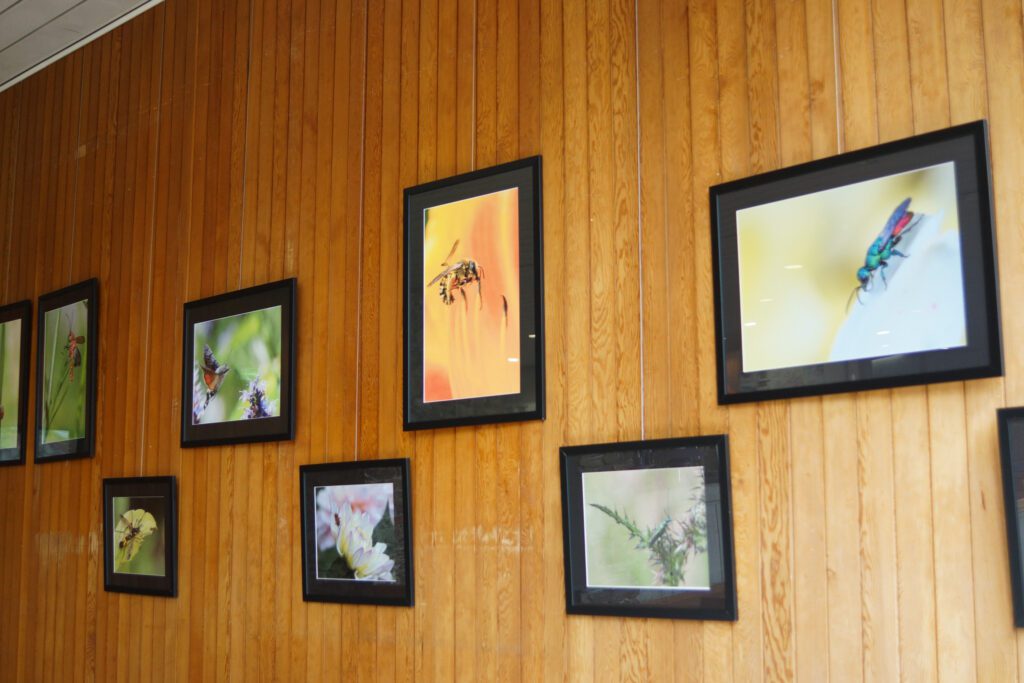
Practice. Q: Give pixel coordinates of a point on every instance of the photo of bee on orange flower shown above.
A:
(471, 298)
(237, 367)
(65, 369)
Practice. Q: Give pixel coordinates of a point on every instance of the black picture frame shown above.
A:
(20, 311)
(116, 522)
(805, 244)
(621, 562)
(252, 300)
(1011, 456)
(322, 488)
(79, 298)
(479, 308)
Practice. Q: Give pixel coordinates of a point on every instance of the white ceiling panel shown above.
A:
(35, 33)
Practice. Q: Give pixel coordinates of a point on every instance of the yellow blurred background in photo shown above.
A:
(471, 346)
(798, 262)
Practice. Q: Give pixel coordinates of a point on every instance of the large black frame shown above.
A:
(73, 448)
(1011, 455)
(710, 452)
(392, 470)
(22, 311)
(131, 487)
(965, 145)
(280, 428)
(528, 404)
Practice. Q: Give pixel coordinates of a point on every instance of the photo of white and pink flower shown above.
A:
(355, 533)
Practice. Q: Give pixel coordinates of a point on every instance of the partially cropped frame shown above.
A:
(15, 351)
(66, 372)
(647, 527)
(239, 367)
(474, 304)
(871, 269)
(140, 535)
(357, 532)
(1011, 450)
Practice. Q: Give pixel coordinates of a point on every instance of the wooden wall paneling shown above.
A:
(546, 653)
(206, 147)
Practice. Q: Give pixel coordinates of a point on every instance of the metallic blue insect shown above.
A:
(883, 249)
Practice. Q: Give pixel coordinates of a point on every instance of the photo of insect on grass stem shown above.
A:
(10, 365)
(646, 528)
(65, 371)
(139, 543)
(237, 367)
(471, 345)
(864, 270)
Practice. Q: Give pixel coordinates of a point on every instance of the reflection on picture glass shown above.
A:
(860, 271)
(10, 379)
(646, 528)
(355, 533)
(471, 298)
(237, 367)
(139, 523)
(65, 368)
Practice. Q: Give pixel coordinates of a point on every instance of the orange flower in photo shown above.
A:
(471, 345)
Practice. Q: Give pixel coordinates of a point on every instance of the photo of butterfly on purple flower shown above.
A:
(237, 367)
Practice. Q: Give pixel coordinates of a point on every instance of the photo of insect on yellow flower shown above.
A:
(139, 546)
(355, 533)
(66, 368)
(863, 270)
(10, 364)
(471, 298)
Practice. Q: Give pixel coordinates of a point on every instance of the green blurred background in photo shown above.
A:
(10, 361)
(249, 344)
(64, 391)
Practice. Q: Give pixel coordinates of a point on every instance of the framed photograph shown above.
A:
(66, 353)
(647, 527)
(356, 532)
(871, 269)
(1011, 451)
(140, 535)
(239, 365)
(474, 311)
(15, 337)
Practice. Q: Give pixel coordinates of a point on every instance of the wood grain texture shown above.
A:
(204, 147)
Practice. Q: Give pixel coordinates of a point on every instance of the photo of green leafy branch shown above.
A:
(646, 528)
(65, 369)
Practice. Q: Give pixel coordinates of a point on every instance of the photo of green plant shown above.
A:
(10, 365)
(65, 369)
(237, 367)
(139, 542)
(355, 533)
(646, 528)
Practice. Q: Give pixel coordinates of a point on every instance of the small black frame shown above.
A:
(1011, 452)
(394, 471)
(164, 488)
(528, 403)
(87, 292)
(277, 428)
(22, 311)
(794, 290)
(716, 601)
